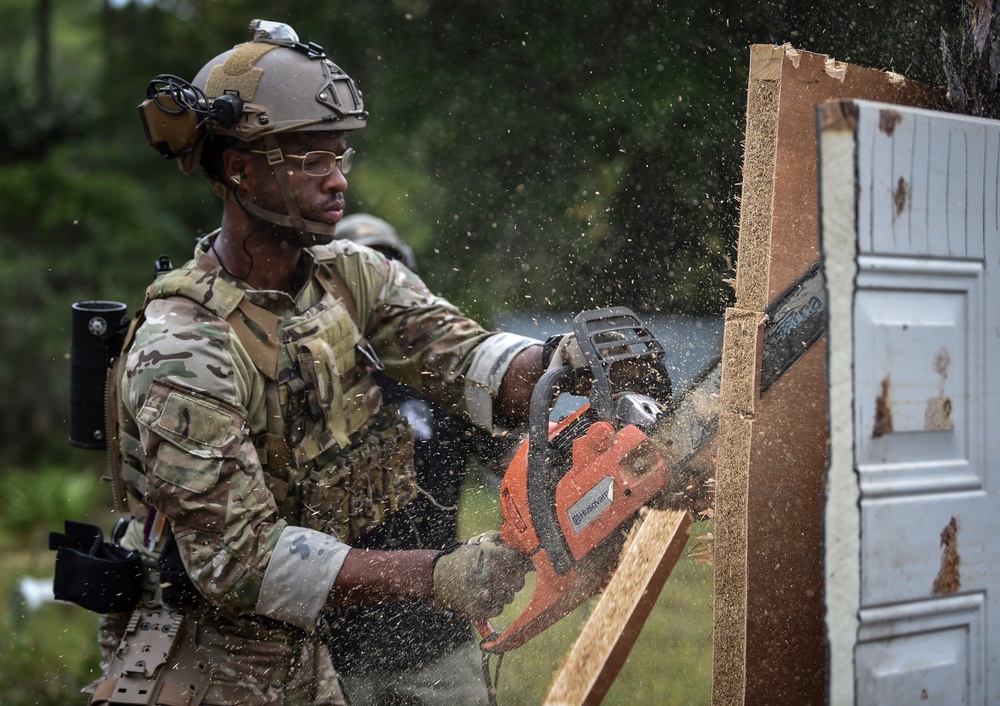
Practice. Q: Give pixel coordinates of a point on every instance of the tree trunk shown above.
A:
(972, 70)
(43, 63)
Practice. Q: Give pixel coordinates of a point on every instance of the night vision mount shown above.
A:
(283, 35)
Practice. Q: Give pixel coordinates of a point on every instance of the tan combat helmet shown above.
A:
(272, 84)
(377, 234)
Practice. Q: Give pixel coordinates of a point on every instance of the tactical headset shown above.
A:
(176, 113)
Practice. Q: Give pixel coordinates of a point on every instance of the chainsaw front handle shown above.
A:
(541, 484)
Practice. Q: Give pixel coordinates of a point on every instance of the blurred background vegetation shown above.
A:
(538, 155)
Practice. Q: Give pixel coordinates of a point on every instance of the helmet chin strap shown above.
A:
(306, 232)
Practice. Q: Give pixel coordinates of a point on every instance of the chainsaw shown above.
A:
(574, 487)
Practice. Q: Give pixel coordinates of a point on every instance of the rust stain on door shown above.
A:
(937, 414)
(948, 579)
(888, 120)
(900, 195)
(883, 412)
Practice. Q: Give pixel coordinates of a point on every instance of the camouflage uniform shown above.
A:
(262, 443)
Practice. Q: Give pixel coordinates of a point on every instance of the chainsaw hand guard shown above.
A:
(562, 351)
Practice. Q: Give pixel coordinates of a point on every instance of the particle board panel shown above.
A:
(770, 642)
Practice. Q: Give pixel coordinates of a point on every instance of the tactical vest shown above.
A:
(335, 460)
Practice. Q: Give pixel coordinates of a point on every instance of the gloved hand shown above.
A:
(564, 349)
(480, 577)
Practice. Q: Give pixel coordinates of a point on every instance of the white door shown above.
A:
(911, 246)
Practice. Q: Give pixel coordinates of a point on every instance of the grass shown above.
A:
(670, 663)
(51, 653)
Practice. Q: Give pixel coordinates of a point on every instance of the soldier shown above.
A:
(252, 449)
(407, 651)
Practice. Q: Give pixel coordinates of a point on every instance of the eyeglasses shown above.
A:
(319, 163)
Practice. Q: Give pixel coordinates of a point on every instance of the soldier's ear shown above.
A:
(234, 168)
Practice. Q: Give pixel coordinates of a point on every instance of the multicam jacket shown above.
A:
(261, 436)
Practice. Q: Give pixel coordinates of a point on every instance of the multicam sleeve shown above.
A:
(300, 576)
(204, 475)
(426, 342)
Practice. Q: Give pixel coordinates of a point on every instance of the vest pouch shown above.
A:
(359, 488)
(328, 499)
(92, 573)
(315, 402)
(318, 375)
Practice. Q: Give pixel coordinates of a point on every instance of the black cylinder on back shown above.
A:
(97, 334)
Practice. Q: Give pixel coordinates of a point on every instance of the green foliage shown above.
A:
(33, 503)
(71, 230)
(560, 118)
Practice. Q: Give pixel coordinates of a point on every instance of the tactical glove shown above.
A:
(480, 577)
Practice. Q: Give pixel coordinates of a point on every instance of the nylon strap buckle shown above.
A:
(274, 156)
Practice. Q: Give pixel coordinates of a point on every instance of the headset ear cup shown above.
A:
(173, 116)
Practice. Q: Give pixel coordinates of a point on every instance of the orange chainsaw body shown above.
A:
(612, 474)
